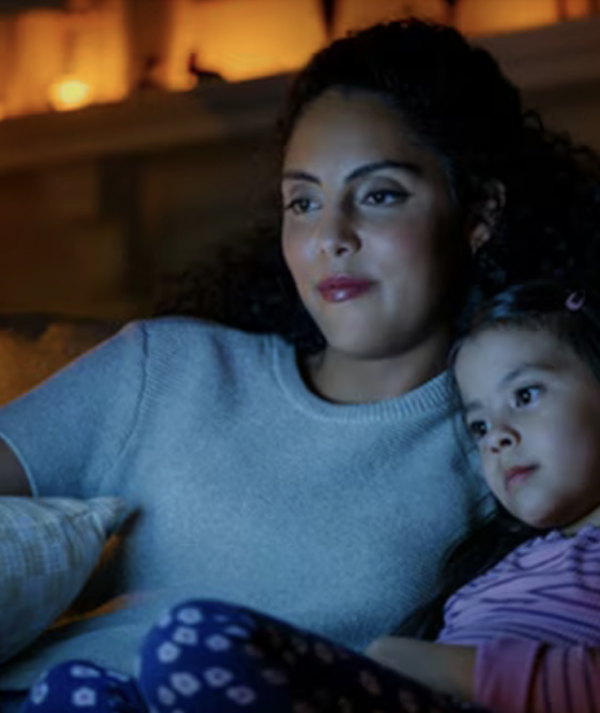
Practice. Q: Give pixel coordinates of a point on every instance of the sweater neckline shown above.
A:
(434, 395)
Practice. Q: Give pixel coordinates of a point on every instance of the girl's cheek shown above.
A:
(487, 470)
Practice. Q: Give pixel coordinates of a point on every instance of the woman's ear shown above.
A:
(486, 215)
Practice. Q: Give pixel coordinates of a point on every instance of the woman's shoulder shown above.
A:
(178, 337)
(182, 328)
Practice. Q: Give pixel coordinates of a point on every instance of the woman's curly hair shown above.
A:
(538, 191)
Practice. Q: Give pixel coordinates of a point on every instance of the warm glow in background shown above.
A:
(40, 49)
(476, 17)
(70, 93)
(101, 47)
(242, 39)
(356, 13)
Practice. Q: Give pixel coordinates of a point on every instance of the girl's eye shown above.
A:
(385, 197)
(300, 206)
(477, 429)
(527, 395)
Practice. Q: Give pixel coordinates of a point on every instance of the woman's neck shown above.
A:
(345, 379)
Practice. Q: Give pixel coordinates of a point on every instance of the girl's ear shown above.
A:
(486, 214)
(478, 236)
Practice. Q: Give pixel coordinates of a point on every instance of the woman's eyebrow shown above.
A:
(300, 176)
(405, 166)
(360, 172)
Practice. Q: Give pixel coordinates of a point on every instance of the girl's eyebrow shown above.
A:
(471, 406)
(512, 375)
(524, 368)
(360, 172)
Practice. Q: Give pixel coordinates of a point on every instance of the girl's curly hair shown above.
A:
(537, 190)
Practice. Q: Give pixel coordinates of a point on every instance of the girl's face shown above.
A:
(533, 409)
(370, 233)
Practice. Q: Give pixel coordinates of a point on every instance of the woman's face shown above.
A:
(370, 232)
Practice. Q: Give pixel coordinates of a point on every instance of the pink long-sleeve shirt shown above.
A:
(535, 621)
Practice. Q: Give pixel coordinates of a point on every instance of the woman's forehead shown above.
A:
(341, 129)
(358, 112)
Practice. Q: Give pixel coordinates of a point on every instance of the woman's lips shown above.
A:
(518, 474)
(342, 288)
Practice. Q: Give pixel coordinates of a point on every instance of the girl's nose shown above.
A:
(503, 437)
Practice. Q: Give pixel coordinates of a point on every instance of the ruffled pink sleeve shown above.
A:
(518, 676)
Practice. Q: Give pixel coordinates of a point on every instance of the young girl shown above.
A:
(524, 637)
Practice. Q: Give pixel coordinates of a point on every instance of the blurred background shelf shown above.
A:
(150, 121)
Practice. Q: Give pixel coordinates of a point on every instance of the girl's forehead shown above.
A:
(492, 353)
(518, 340)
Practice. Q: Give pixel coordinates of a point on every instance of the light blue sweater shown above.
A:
(249, 487)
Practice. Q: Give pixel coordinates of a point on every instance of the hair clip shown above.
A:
(575, 301)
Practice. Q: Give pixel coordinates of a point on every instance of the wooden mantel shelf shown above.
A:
(561, 55)
(151, 121)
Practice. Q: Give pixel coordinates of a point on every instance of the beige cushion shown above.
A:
(48, 549)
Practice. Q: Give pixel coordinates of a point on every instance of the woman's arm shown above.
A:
(69, 431)
(444, 668)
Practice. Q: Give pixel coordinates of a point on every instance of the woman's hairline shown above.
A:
(417, 138)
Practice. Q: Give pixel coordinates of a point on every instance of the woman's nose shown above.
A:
(336, 235)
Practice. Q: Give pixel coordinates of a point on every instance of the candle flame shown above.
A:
(70, 93)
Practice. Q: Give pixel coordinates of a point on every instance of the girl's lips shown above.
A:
(340, 289)
(518, 473)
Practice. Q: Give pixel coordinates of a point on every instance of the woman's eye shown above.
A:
(385, 197)
(300, 206)
(477, 429)
(527, 395)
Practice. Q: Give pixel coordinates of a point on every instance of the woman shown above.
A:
(321, 484)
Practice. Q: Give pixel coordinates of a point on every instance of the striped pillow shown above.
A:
(48, 549)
